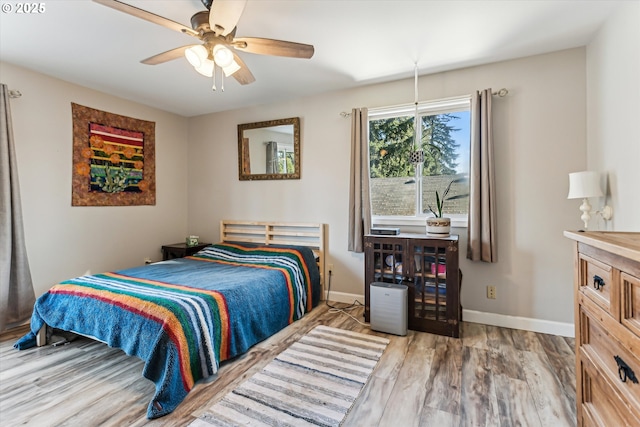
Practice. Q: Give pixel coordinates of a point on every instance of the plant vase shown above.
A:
(439, 226)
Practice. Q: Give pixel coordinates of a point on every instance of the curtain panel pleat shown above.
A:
(272, 157)
(481, 231)
(16, 289)
(359, 197)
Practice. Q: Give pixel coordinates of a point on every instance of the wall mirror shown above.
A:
(269, 150)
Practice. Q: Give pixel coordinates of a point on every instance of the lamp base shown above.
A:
(585, 207)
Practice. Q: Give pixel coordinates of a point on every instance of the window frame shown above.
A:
(439, 106)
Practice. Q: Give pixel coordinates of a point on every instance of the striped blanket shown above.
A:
(184, 316)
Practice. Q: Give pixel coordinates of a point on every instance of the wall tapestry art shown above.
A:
(113, 159)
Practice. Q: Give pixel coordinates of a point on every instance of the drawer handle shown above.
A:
(624, 371)
(598, 282)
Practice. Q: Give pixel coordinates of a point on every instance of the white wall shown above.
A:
(613, 110)
(539, 138)
(65, 241)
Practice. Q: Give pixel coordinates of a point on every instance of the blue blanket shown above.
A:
(184, 316)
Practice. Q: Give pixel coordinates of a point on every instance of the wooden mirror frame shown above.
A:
(243, 150)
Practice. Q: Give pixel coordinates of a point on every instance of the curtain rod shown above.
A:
(14, 94)
(501, 93)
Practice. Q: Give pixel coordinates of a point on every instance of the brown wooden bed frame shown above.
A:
(267, 233)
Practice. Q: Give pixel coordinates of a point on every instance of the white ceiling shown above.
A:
(356, 43)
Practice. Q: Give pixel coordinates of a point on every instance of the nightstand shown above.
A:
(179, 250)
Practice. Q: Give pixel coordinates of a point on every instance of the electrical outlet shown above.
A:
(147, 260)
(491, 292)
(330, 268)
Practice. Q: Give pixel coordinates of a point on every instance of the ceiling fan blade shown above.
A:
(225, 14)
(169, 55)
(243, 75)
(273, 47)
(147, 16)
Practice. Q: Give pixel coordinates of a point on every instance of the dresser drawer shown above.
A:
(601, 405)
(630, 286)
(601, 346)
(596, 282)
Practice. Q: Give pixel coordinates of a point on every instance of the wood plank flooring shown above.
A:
(491, 376)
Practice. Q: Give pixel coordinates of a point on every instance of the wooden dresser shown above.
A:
(607, 319)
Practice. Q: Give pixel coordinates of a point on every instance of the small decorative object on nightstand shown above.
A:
(179, 250)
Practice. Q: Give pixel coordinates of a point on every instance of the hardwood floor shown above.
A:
(491, 376)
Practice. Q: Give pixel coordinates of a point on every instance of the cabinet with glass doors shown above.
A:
(428, 266)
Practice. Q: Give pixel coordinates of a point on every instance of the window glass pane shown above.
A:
(392, 175)
(285, 161)
(446, 141)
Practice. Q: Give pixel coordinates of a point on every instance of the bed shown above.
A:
(184, 316)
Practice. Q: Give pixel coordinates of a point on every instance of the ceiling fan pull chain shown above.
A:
(213, 74)
(222, 81)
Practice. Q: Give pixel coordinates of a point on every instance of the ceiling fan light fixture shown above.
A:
(196, 55)
(223, 56)
(230, 69)
(206, 68)
(215, 28)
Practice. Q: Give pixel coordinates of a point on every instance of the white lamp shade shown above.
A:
(230, 69)
(206, 69)
(196, 55)
(584, 184)
(222, 55)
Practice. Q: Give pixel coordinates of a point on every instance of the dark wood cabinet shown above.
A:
(180, 250)
(428, 266)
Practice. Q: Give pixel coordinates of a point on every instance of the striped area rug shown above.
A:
(314, 382)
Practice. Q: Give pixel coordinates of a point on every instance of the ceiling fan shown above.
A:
(216, 29)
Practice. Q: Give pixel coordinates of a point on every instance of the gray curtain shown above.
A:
(359, 197)
(16, 289)
(272, 157)
(481, 233)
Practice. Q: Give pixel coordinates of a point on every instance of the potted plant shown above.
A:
(438, 224)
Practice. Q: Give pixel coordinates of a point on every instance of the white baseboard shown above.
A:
(517, 322)
(344, 297)
(493, 319)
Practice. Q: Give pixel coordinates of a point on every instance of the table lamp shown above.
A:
(583, 185)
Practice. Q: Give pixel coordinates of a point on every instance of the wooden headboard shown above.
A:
(279, 233)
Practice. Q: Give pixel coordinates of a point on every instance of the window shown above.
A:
(285, 159)
(402, 191)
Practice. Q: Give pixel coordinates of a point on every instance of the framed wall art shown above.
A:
(113, 159)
